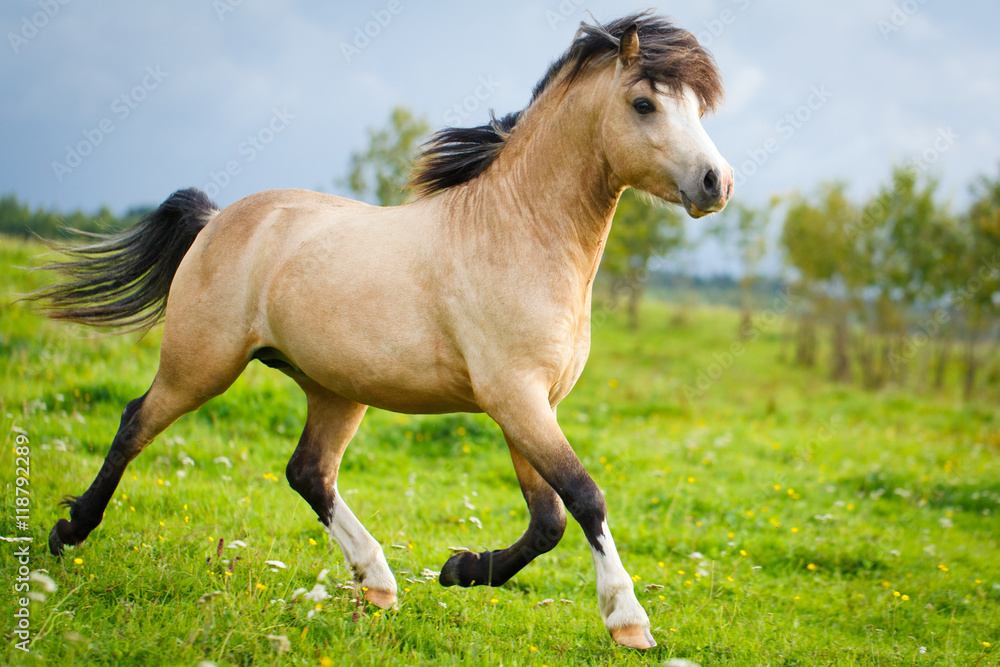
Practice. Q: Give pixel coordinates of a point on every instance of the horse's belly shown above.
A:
(398, 384)
(387, 363)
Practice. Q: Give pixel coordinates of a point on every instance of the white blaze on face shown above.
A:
(691, 153)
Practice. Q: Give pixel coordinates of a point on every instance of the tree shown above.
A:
(979, 292)
(746, 228)
(380, 173)
(641, 230)
(828, 268)
(896, 243)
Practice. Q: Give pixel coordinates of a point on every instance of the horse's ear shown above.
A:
(628, 46)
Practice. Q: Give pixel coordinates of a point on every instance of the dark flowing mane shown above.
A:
(668, 56)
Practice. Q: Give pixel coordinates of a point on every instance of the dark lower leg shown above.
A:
(331, 422)
(582, 499)
(307, 472)
(87, 510)
(545, 529)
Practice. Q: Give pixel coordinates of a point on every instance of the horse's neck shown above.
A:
(551, 187)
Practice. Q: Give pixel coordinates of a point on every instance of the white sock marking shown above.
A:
(361, 550)
(615, 593)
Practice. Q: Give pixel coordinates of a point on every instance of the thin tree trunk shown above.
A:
(941, 363)
(805, 352)
(868, 346)
(840, 361)
(613, 286)
(746, 314)
(971, 368)
(903, 367)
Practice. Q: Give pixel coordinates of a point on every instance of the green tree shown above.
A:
(745, 228)
(640, 231)
(900, 246)
(380, 172)
(978, 290)
(828, 270)
(916, 251)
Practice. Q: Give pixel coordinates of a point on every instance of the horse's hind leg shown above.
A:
(331, 422)
(545, 529)
(194, 367)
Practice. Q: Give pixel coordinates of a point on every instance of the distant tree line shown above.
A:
(899, 285)
(17, 218)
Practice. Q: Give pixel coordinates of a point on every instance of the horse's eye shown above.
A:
(643, 106)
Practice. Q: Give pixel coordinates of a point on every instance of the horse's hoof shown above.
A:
(633, 636)
(456, 571)
(56, 545)
(381, 599)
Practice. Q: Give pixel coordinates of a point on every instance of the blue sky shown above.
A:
(248, 95)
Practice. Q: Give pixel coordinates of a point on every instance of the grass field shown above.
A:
(788, 520)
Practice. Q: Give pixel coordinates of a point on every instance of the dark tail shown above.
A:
(122, 279)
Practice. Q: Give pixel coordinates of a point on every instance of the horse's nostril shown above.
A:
(711, 182)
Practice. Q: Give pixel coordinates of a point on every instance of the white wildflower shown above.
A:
(317, 594)
(44, 581)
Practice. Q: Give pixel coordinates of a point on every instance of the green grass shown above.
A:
(811, 505)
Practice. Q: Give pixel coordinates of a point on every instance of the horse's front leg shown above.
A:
(545, 529)
(331, 422)
(529, 423)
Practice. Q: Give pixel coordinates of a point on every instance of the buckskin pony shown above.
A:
(473, 297)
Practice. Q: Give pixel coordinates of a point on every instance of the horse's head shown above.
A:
(652, 134)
